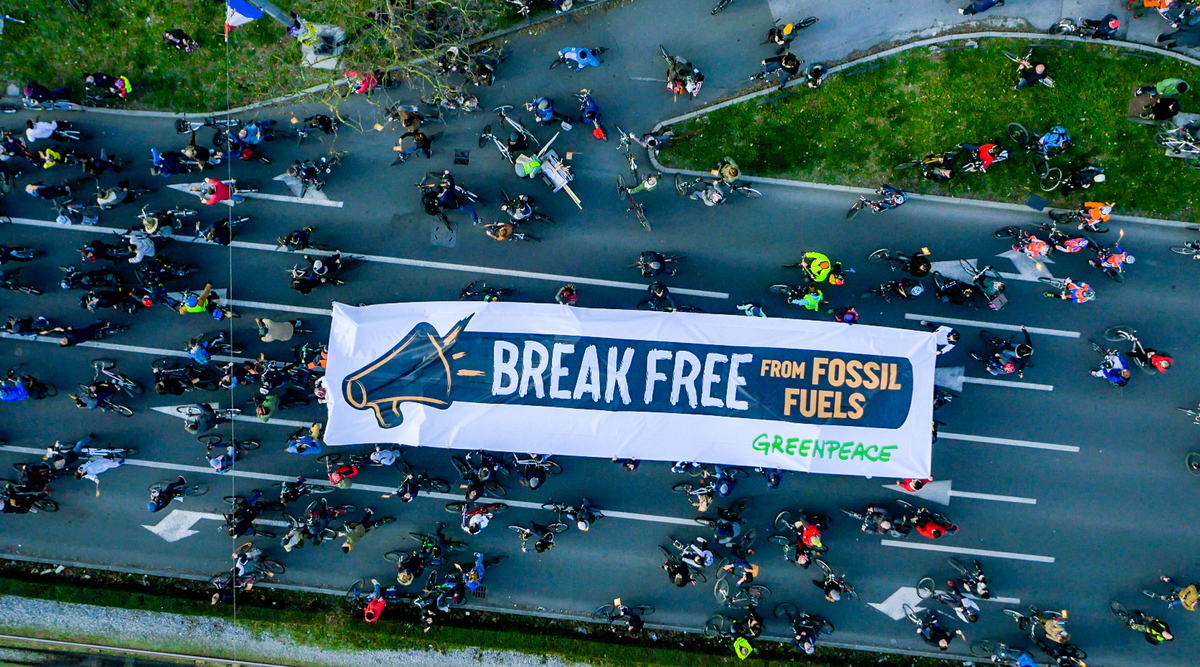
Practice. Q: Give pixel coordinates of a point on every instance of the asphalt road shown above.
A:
(1096, 516)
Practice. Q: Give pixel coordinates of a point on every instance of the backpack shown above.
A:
(1057, 137)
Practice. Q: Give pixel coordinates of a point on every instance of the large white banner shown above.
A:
(818, 397)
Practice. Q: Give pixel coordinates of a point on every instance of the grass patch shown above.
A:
(855, 129)
(329, 622)
(57, 46)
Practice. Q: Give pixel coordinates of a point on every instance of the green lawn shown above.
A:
(856, 128)
(123, 37)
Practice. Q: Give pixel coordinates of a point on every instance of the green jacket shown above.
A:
(1170, 87)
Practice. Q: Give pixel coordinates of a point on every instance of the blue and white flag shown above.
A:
(238, 13)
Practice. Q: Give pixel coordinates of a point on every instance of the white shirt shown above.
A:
(942, 336)
(384, 457)
(93, 468)
(41, 130)
(144, 247)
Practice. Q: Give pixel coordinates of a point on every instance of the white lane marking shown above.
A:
(400, 261)
(178, 524)
(967, 552)
(295, 423)
(1005, 441)
(136, 349)
(1007, 383)
(311, 201)
(259, 305)
(633, 516)
(991, 496)
(992, 325)
(893, 606)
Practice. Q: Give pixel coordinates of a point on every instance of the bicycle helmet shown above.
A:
(544, 105)
(584, 54)
(192, 301)
(835, 595)
(836, 280)
(1088, 294)
(1129, 259)
(583, 525)
(916, 290)
(1010, 367)
(151, 506)
(514, 137)
(404, 577)
(319, 269)
(1099, 178)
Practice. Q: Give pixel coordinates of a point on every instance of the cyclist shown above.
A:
(633, 622)
(340, 474)
(1093, 213)
(159, 499)
(167, 164)
(752, 309)
(809, 297)
(679, 573)
(474, 521)
(805, 628)
(934, 634)
(1078, 293)
(567, 295)
(892, 198)
(815, 75)
(473, 578)
(223, 462)
(727, 170)
(877, 521)
(683, 77)
(710, 195)
(833, 587)
(985, 154)
(375, 604)
(1155, 631)
(200, 350)
(41, 129)
(117, 85)
(421, 142)
(1112, 257)
(584, 517)
(965, 607)
(955, 292)
(94, 394)
(1082, 179)
(354, 531)
(544, 542)
(975, 582)
(1114, 368)
(255, 132)
(581, 57)
(698, 554)
(1011, 358)
(1032, 246)
(203, 421)
(750, 627)
(1055, 141)
(215, 192)
(47, 192)
(939, 168)
(519, 209)
(929, 526)
(1030, 73)
(660, 297)
(320, 122)
(1187, 597)
(543, 111)
(654, 264)
(450, 198)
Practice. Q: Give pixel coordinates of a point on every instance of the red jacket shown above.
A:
(221, 193)
(985, 155)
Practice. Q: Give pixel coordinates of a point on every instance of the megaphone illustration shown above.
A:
(417, 369)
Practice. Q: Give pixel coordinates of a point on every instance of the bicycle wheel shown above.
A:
(721, 4)
(786, 610)
(748, 192)
(1118, 610)
(1051, 179)
(1018, 133)
(1184, 250)
(714, 626)
(704, 521)
(603, 613)
(248, 445)
(757, 593)
(985, 648)
(194, 490)
(1119, 332)
(485, 135)
(329, 459)
(925, 588)
(46, 505)
(103, 364)
(223, 581)
(907, 506)
(1072, 651)
(1192, 461)
(683, 184)
(908, 165)
(781, 540)
(1009, 232)
(780, 289)
(721, 591)
(460, 465)
(958, 566)
(620, 188)
(192, 411)
(493, 488)
(273, 566)
(117, 408)
(912, 615)
(1021, 619)
(824, 567)
(436, 485)
(783, 521)
(210, 441)
(858, 205)
(1192, 162)
(881, 255)
(355, 590)
(1062, 217)
(988, 338)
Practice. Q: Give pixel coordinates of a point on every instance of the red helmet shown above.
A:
(1010, 367)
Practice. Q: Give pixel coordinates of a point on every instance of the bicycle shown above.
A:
(516, 125)
(489, 508)
(1179, 141)
(744, 596)
(92, 452)
(652, 305)
(876, 206)
(560, 59)
(425, 545)
(51, 105)
(684, 186)
(637, 209)
(1049, 177)
(223, 415)
(1190, 248)
(998, 652)
(105, 405)
(624, 143)
(290, 492)
(821, 626)
(719, 626)
(488, 293)
(39, 500)
(1058, 286)
(1035, 619)
(212, 442)
(486, 134)
(37, 389)
(571, 512)
(699, 495)
(423, 481)
(895, 260)
(544, 463)
(184, 126)
(1066, 655)
(452, 99)
(1045, 81)
(7, 279)
(1064, 217)
(848, 590)
(189, 490)
(526, 534)
(613, 615)
(511, 205)
(515, 235)
(104, 368)
(81, 6)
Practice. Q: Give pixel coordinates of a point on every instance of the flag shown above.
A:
(239, 12)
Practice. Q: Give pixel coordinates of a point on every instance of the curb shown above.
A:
(320, 88)
(981, 203)
(540, 613)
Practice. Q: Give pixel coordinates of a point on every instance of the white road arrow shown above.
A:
(294, 423)
(312, 197)
(1028, 269)
(178, 524)
(951, 378)
(893, 607)
(939, 492)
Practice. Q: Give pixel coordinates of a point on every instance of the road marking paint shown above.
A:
(235, 472)
(295, 423)
(1007, 383)
(136, 349)
(186, 188)
(400, 261)
(259, 305)
(991, 496)
(967, 552)
(1005, 441)
(992, 325)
